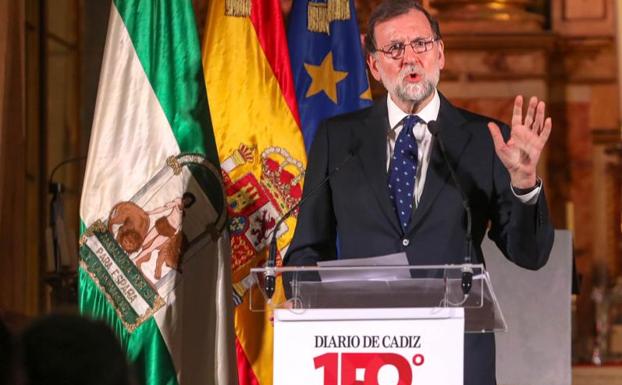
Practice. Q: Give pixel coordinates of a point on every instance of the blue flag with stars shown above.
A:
(327, 61)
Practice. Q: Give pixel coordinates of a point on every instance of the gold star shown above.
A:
(324, 78)
(366, 95)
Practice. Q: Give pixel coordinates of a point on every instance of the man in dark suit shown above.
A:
(395, 192)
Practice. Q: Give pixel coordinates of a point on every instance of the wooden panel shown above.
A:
(586, 60)
(583, 17)
(4, 58)
(497, 64)
(13, 265)
(596, 375)
(604, 113)
(62, 18)
(585, 9)
(33, 212)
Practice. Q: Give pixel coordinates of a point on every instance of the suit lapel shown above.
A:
(373, 157)
(438, 176)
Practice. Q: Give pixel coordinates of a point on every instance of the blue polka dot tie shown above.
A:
(403, 170)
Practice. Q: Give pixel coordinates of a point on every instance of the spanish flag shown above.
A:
(256, 125)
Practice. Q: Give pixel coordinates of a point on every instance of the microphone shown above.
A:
(270, 275)
(467, 272)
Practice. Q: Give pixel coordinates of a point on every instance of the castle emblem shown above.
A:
(256, 204)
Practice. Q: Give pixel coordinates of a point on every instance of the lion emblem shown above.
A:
(134, 223)
(164, 236)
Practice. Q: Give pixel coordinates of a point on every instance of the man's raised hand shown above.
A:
(520, 154)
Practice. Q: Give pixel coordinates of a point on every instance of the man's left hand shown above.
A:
(521, 152)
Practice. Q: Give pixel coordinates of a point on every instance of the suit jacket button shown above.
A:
(405, 242)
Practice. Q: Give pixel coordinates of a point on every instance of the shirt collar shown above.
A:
(428, 113)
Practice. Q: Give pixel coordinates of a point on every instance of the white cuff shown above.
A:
(531, 197)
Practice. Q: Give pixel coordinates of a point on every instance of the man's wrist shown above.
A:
(524, 191)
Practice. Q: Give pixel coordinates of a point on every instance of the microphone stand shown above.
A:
(270, 272)
(467, 271)
(62, 278)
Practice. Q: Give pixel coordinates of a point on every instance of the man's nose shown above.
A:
(410, 56)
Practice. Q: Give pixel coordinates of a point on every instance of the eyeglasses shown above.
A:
(396, 51)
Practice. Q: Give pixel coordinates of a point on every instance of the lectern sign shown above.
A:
(369, 347)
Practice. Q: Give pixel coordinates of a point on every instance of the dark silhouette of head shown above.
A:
(6, 354)
(72, 350)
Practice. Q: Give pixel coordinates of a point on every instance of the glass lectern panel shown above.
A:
(384, 287)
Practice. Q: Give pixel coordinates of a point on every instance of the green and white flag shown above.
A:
(155, 256)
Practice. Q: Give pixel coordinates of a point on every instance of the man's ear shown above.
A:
(441, 54)
(372, 62)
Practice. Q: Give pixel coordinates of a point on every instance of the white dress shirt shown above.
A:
(424, 144)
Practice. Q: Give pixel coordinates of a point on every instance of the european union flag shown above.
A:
(327, 61)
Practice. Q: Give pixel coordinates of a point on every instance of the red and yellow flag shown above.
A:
(253, 108)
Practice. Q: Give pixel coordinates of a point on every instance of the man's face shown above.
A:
(410, 80)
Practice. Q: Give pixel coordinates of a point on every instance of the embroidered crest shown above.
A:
(137, 253)
(255, 205)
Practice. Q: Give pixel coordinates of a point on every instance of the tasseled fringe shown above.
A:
(320, 15)
(338, 10)
(317, 20)
(240, 8)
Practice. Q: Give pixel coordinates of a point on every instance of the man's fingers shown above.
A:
(538, 121)
(531, 111)
(497, 138)
(517, 113)
(546, 131)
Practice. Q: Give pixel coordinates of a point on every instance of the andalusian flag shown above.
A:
(155, 255)
(253, 106)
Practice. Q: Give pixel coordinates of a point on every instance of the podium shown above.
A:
(368, 325)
